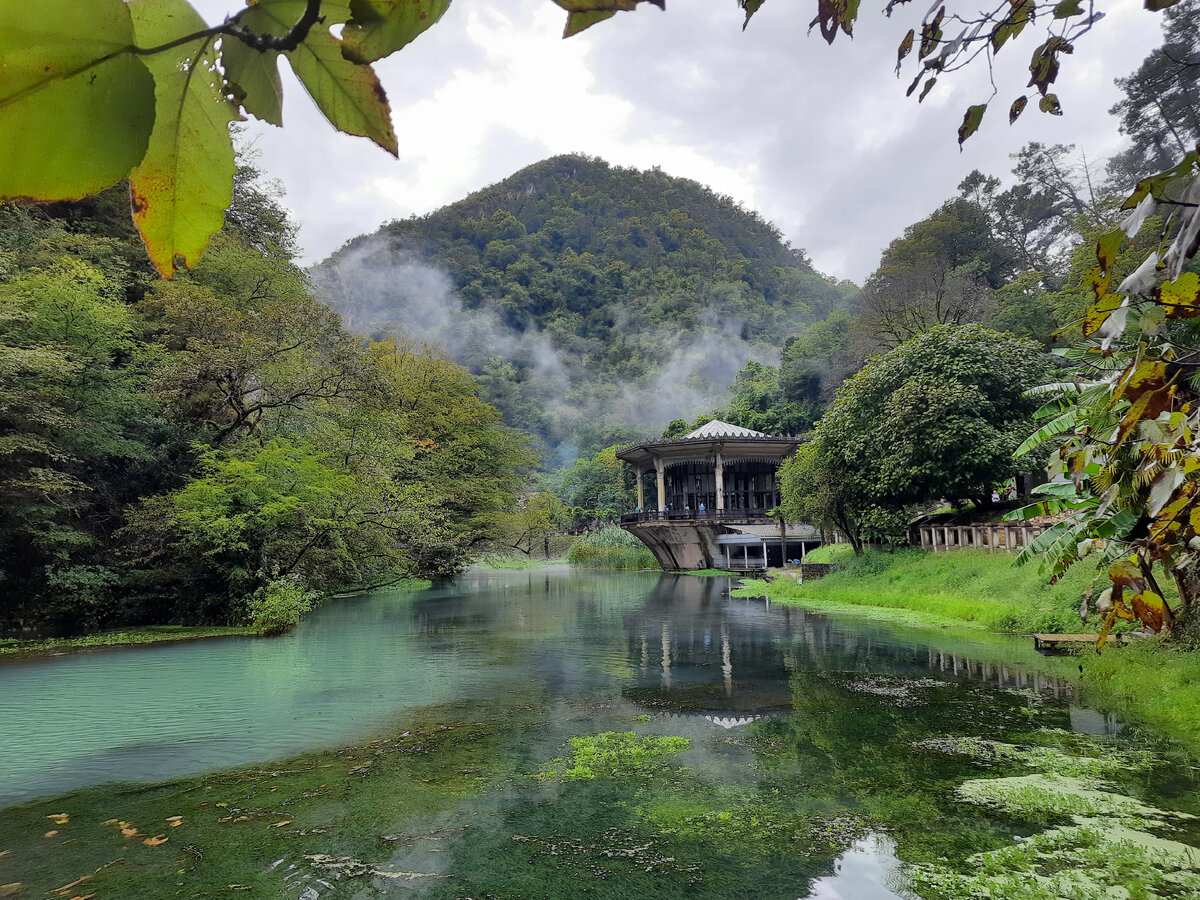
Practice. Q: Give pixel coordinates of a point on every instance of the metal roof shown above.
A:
(717, 429)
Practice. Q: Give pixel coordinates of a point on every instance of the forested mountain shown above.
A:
(590, 299)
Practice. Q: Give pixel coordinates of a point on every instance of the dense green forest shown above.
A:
(216, 448)
(593, 302)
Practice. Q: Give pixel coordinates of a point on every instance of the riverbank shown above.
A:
(1149, 681)
(127, 637)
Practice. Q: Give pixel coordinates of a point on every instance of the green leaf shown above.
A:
(751, 7)
(1018, 107)
(1049, 431)
(82, 106)
(926, 89)
(348, 94)
(378, 28)
(583, 14)
(1156, 5)
(1068, 8)
(970, 122)
(254, 80)
(581, 21)
(181, 189)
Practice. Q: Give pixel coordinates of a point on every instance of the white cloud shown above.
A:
(820, 139)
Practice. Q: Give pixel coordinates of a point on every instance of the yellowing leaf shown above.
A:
(76, 109)
(906, 46)
(1151, 610)
(175, 821)
(59, 818)
(183, 186)
(1099, 313)
(378, 28)
(281, 823)
(1050, 104)
(1181, 297)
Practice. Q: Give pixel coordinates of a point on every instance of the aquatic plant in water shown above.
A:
(1107, 851)
(615, 754)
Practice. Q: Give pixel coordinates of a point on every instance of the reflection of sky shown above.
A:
(861, 873)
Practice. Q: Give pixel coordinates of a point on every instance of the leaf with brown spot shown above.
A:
(1050, 104)
(1151, 610)
(906, 46)
(1018, 107)
(181, 189)
(971, 121)
(1100, 312)
(1181, 297)
(1106, 249)
(349, 95)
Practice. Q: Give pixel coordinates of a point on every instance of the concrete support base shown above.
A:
(680, 545)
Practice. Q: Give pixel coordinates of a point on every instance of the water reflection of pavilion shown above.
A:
(697, 650)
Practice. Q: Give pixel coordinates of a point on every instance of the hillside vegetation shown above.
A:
(576, 290)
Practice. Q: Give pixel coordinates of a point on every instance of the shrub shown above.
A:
(280, 605)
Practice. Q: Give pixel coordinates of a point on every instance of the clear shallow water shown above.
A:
(799, 724)
(158, 712)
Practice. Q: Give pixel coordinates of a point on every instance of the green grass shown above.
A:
(150, 634)
(828, 553)
(1149, 681)
(611, 547)
(965, 588)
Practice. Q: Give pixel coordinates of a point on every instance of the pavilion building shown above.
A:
(714, 493)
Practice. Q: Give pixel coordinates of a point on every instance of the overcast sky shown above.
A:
(821, 140)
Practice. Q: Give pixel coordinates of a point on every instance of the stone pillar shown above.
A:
(641, 490)
(662, 485)
(720, 474)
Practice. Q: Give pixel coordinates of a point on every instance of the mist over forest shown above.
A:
(593, 303)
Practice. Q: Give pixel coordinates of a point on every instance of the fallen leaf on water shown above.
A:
(281, 823)
(109, 822)
(226, 819)
(66, 887)
(156, 840)
(175, 821)
(127, 830)
(59, 818)
(9, 890)
(5, 852)
(50, 833)
(83, 897)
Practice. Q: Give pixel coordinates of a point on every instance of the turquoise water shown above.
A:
(807, 772)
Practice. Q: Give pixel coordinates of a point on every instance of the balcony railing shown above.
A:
(692, 515)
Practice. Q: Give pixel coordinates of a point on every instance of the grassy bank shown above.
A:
(500, 561)
(966, 588)
(1149, 682)
(150, 634)
(611, 548)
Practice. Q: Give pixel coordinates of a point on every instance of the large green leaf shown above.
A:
(185, 182)
(378, 28)
(347, 93)
(75, 107)
(1049, 431)
(254, 80)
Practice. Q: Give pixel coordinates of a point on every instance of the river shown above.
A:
(549, 732)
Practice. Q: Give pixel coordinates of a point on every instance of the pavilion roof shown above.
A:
(716, 429)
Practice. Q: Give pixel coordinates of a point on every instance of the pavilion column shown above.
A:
(641, 490)
(662, 485)
(720, 472)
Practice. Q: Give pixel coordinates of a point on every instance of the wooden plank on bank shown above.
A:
(1061, 641)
